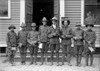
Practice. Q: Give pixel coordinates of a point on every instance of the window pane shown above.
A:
(93, 6)
(3, 8)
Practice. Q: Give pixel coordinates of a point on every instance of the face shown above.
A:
(65, 23)
(54, 21)
(89, 27)
(78, 27)
(12, 29)
(44, 22)
(23, 28)
(33, 28)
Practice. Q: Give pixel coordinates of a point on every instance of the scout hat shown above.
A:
(33, 25)
(44, 19)
(54, 19)
(12, 26)
(89, 25)
(23, 25)
(77, 24)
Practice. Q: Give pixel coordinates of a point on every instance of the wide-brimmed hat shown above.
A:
(54, 19)
(67, 21)
(78, 24)
(44, 19)
(33, 25)
(11, 26)
(23, 25)
(89, 25)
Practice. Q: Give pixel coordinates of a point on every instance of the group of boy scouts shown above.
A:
(49, 37)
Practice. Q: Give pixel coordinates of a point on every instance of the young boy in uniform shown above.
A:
(43, 36)
(90, 38)
(32, 39)
(66, 36)
(22, 41)
(78, 43)
(54, 35)
(11, 43)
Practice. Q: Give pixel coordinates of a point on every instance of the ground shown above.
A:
(27, 67)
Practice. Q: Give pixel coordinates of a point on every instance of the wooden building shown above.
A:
(29, 11)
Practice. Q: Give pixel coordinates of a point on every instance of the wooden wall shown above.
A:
(15, 19)
(73, 11)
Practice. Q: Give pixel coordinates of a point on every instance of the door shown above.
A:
(28, 13)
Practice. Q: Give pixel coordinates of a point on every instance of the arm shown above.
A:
(7, 41)
(28, 38)
(93, 38)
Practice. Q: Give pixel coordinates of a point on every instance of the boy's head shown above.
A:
(11, 27)
(54, 20)
(66, 22)
(33, 25)
(44, 21)
(89, 26)
(23, 26)
(78, 25)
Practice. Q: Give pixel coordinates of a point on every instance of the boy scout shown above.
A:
(22, 41)
(90, 38)
(43, 36)
(78, 43)
(66, 36)
(33, 43)
(54, 39)
(11, 43)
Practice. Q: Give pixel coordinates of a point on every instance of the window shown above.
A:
(4, 9)
(92, 7)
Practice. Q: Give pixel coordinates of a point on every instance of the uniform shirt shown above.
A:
(78, 33)
(11, 39)
(22, 37)
(54, 39)
(89, 35)
(32, 36)
(43, 33)
(66, 30)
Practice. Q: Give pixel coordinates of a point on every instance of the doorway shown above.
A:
(43, 8)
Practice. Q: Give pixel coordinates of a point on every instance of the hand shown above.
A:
(89, 42)
(20, 44)
(75, 38)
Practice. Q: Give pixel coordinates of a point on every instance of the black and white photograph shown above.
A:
(49, 35)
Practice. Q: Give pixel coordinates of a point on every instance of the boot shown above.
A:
(31, 59)
(91, 60)
(42, 56)
(57, 55)
(35, 59)
(63, 59)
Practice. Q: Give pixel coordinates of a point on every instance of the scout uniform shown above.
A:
(43, 36)
(54, 39)
(11, 43)
(33, 43)
(66, 36)
(90, 38)
(22, 40)
(78, 43)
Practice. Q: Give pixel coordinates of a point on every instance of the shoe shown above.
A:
(58, 64)
(31, 63)
(51, 64)
(41, 64)
(69, 64)
(79, 65)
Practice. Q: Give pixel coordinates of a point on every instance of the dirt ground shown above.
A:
(46, 67)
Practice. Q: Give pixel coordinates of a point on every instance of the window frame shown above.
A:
(83, 13)
(9, 11)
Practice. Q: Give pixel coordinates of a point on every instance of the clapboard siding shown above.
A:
(73, 10)
(15, 19)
